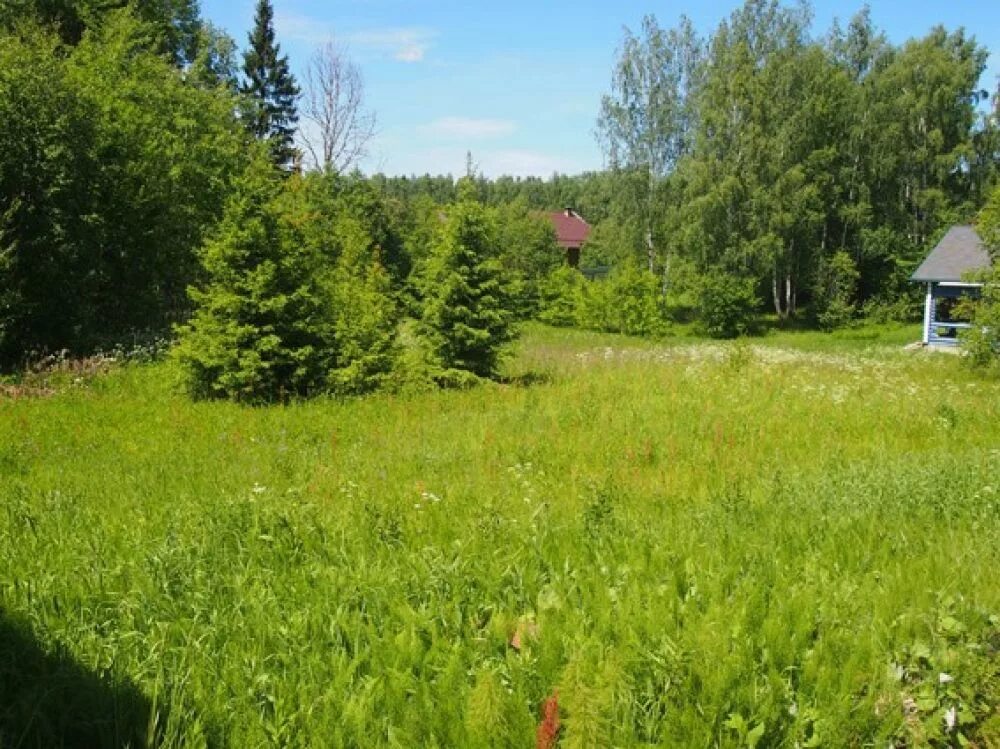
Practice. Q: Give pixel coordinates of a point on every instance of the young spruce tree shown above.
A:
(466, 317)
(264, 323)
(270, 90)
(366, 315)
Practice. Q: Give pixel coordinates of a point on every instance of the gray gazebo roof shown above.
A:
(960, 251)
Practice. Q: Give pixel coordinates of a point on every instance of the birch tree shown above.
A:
(340, 127)
(647, 122)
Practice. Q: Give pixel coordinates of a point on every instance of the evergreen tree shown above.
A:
(466, 317)
(366, 314)
(263, 327)
(270, 89)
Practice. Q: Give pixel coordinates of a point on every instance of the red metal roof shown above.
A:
(571, 229)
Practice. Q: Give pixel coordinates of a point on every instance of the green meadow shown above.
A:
(790, 542)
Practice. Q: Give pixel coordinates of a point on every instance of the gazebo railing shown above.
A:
(950, 338)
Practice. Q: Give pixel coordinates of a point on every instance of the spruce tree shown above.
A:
(467, 316)
(366, 316)
(263, 326)
(269, 89)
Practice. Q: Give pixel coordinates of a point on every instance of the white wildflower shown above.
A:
(950, 718)
(945, 678)
(258, 489)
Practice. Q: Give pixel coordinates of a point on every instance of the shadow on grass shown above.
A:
(49, 700)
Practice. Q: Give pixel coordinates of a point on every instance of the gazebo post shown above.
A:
(928, 313)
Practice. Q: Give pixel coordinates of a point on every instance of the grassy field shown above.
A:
(793, 542)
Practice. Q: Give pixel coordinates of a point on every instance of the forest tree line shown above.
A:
(151, 184)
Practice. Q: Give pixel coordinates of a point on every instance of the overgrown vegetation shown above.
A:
(112, 171)
(607, 541)
(982, 340)
(696, 544)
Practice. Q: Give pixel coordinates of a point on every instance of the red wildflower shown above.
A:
(548, 729)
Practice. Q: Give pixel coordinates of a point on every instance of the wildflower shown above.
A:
(258, 489)
(950, 718)
(945, 678)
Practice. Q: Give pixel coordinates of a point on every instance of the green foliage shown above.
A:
(269, 90)
(764, 150)
(485, 715)
(467, 314)
(982, 341)
(528, 252)
(836, 286)
(560, 297)
(989, 223)
(175, 26)
(296, 301)
(366, 315)
(628, 301)
(612, 243)
(215, 63)
(727, 305)
(112, 168)
(262, 328)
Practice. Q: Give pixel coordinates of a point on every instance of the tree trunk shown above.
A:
(775, 294)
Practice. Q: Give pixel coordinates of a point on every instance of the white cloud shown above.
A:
(523, 163)
(406, 44)
(468, 128)
(301, 29)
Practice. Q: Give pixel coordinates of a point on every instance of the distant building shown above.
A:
(571, 233)
(945, 270)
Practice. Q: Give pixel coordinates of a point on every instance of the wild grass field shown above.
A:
(787, 543)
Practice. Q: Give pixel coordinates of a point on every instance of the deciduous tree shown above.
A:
(339, 125)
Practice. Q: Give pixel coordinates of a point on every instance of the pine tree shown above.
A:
(270, 89)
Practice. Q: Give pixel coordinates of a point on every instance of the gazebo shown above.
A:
(945, 271)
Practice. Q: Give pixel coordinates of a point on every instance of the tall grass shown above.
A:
(697, 544)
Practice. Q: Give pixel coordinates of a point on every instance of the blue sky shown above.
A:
(519, 83)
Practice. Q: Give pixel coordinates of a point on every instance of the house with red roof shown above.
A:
(571, 233)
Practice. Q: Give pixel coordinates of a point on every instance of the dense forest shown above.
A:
(152, 186)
